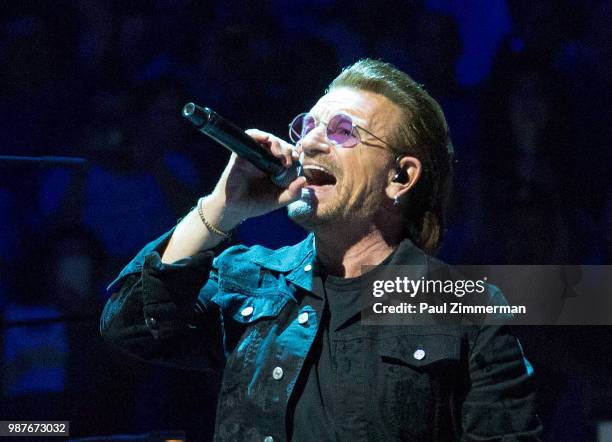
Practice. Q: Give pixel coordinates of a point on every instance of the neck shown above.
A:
(344, 254)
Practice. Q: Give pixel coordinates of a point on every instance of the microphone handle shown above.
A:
(235, 139)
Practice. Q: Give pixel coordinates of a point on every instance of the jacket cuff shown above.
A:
(170, 291)
(179, 282)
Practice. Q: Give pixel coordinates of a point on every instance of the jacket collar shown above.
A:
(408, 254)
(295, 260)
(289, 258)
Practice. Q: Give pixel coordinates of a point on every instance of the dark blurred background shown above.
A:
(525, 87)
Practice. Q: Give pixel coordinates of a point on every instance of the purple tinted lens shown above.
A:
(308, 124)
(300, 126)
(340, 131)
(295, 128)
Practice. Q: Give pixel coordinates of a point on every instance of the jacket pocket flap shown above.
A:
(247, 309)
(421, 350)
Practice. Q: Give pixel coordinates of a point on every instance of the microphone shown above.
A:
(235, 139)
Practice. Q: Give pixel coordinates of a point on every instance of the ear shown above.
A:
(408, 169)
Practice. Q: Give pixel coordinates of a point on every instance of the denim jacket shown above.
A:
(242, 313)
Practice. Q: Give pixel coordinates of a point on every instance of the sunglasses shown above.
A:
(340, 129)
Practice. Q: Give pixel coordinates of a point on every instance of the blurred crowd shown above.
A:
(106, 80)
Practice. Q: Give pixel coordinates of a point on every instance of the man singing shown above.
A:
(283, 326)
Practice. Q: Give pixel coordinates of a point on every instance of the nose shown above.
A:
(315, 142)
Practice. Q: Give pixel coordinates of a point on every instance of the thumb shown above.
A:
(293, 192)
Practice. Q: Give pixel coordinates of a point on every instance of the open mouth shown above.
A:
(318, 176)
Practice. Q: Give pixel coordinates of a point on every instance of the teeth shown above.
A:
(327, 177)
(311, 166)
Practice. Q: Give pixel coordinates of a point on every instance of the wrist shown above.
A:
(218, 215)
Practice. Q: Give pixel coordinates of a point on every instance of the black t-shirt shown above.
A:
(338, 302)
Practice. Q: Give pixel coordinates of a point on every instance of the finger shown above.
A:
(277, 150)
(281, 150)
(259, 135)
(298, 147)
(288, 152)
(295, 155)
(242, 168)
(293, 192)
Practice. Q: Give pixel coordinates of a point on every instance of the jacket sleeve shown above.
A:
(162, 313)
(500, 404)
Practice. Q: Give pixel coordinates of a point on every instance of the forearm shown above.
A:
(191, 235)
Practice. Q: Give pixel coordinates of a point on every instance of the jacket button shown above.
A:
(151, 322)
(303, 318)
(419, 354)
(247, 311)
(268, 439)
(307, 268)
(277, 373)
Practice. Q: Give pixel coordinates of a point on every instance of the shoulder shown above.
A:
(467, 291)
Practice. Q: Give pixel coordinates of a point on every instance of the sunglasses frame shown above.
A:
(354, 132)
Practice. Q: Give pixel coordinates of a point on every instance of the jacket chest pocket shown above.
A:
(246, 322)
(414, 379)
